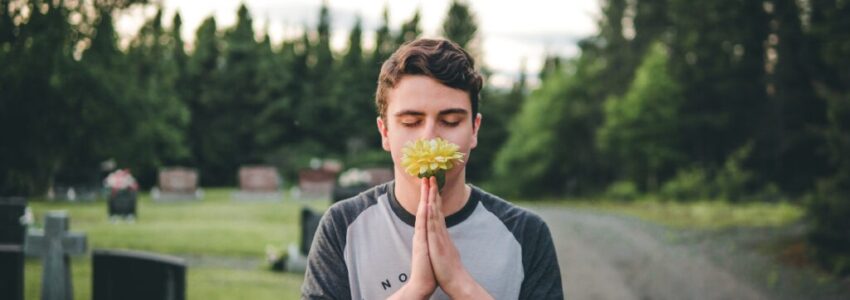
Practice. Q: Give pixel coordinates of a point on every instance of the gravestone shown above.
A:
(12, 229)
(11, 272)
(296, 260)
(122, 203)
(177, 183)
(123, 189)
(130, 275)
(55, 244)
(258, 183)
(309, 224)
(316, 183)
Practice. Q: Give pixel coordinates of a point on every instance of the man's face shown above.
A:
(421, 107)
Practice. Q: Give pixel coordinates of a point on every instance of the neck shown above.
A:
(454, 194)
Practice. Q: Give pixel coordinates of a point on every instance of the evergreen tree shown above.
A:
(640, 129)
(460, 25)
(37, 121)
(159, 138)
(236, 104)
(718, 58)
(202, 71)
(829, 209)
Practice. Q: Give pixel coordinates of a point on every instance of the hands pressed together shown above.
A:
(436, 261)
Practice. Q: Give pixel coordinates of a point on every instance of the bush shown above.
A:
(622, 191)
(732, 181)
(689, 184)
(829, 218)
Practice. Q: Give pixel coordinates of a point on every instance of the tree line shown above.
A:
(72, 98)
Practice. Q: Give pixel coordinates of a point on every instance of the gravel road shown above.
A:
(606, 256)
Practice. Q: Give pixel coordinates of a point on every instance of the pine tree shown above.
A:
(460, 25)
(207, 143)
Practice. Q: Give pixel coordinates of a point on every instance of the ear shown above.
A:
(382, 129)
(476, 125)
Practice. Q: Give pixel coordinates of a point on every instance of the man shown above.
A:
(407, 240)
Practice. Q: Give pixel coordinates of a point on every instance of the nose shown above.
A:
(430, 130)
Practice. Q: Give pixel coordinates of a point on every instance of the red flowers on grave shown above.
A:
(120, 180)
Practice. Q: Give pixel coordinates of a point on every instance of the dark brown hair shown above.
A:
(440, 59)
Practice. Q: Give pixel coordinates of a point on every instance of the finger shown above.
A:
(422, 207)
(438, 201)
(432, 198)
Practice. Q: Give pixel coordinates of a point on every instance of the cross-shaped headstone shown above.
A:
(55, 244)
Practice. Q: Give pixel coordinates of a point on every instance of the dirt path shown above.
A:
(611, 257)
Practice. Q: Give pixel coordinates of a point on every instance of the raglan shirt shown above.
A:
(363, 247)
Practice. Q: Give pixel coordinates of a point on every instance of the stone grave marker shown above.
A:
(12, 227)
(177, 183)
(296, 260)
(11, 272)
(316, 183)
(258, 183)
(55, 244)
(122, 198)
(122, 204)
(309, 225)
(130, 275)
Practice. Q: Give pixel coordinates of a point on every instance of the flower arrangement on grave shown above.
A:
(276, 258)
(120, 180)
(354, 177)
(425, 158)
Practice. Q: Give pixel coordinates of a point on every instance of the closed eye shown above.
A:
(410, 124)
(451, 124)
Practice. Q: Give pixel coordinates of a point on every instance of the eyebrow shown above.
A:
(449, 111)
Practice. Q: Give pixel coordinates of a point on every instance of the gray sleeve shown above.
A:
(542, 273)
(326, 276)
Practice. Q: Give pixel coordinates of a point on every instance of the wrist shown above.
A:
(464, 286)
(415, 291)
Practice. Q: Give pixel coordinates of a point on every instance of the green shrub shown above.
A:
(732, 181)
(689, 184)
(829, 218)
(622, 191)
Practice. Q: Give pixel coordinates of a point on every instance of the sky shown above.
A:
(510, 32)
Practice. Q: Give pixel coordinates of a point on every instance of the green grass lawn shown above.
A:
(226, 240)
(693, 215)
(214, 229)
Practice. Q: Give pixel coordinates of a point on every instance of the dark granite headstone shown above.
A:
(344, 192)
(11, 272)
(130, 275)
(309, 225)
(122, 203)
(12, 230)
(55, 244)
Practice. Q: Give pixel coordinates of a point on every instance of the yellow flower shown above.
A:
(425, 158)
